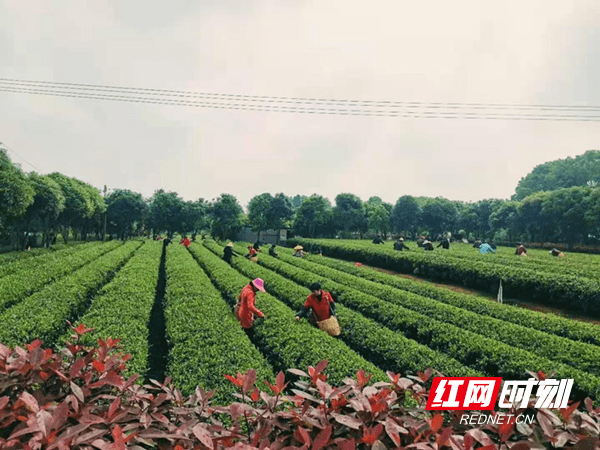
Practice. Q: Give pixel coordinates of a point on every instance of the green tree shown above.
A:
(560, 173)
(379, 220)
(125, 211)
(297, 201)
(349, 214)
(533, 220)
(165, 212)
(195, 216)
(483, 209)
(280, 212)
(406, 215)
(505, 216)
(48, 203)
(258, 212)
(16, 191)
(567, 207)
(439, 215)
(226, 214)
(79, 204)
(468, 220)
(313, 217)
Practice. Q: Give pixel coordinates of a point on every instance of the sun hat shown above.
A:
(259, 284)
(298, 247)
(401, 239)
(230, 244)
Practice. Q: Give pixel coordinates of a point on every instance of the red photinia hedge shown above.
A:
(79, 399)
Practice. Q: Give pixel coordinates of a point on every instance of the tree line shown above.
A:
(54, 204)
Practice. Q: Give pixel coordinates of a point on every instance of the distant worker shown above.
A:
(378, 240)
(228, 253)
(186, 242)
(427, 246)
(445, 244)
(400, 245)
(420, 241)
(159, 237)
(316, 250)
(256, 246)
(272, 251)
(557, 253)
(493, 245)
(252, 254)
(486, 248)
(477, 243)
(320, 306)
(299, 251)
(521, 250)
(246, 304)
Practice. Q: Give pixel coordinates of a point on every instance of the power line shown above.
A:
(349, 110)
(292, 109)
(12, 151)
(266, 98)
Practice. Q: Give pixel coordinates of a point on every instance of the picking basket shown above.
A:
(331, 326)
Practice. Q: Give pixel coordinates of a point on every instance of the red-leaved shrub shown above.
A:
(79, 399)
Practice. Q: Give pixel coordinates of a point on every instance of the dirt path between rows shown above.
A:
(523, 304)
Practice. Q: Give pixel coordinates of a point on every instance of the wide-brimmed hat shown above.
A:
(259, 284)
(401, 239)
(230, 244)
(298, 247)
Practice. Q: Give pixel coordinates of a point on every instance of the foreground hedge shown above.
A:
(44, 314)
(79, 399)
(205, 337)
(549, 323)
(585, 357)
(386, 349)
(567, 291)
(285, 343)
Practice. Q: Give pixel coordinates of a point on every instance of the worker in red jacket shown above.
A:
(246, 305)
(186, 241)
(320, 302)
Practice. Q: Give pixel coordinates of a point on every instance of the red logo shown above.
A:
(463, 393)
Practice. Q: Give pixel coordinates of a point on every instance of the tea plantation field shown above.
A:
(172, 310)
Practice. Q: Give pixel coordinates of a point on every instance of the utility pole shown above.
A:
(105, 214)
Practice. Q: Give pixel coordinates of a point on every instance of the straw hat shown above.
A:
(298, 247)
(230, 244)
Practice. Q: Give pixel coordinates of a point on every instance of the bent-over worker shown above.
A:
(319, 302)
(428, 246)
(299, 251)
(486, 248)
(378, 240)
(521, 250)
(400, 245)
(228, 253)
(246, 305)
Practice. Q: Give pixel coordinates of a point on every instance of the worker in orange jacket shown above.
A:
(246, 305)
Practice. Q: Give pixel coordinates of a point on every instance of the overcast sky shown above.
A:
(518, 52)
